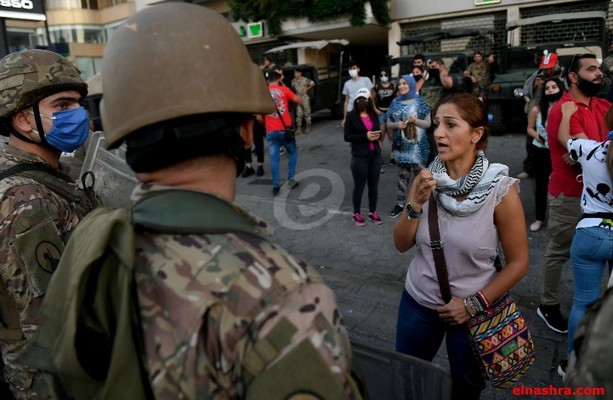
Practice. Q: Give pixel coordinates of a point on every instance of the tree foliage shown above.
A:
(276, 11)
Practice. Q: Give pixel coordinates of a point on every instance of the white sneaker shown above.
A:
(523, 175)
(536, 225)
(562, 368)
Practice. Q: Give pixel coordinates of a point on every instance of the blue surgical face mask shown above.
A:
(70, 129)
(384, 78)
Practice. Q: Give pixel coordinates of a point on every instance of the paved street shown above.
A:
(361, 264)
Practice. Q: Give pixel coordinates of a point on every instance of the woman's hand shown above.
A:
(454, 312)
(422, 187)
(405, 229)
(373, 136)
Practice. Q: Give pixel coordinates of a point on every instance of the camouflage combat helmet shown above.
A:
(29, 76)
(174, 60)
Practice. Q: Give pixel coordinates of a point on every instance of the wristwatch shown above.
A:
(411, 213)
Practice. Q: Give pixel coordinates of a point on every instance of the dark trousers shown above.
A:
(541, 170)
(529, 160)
(366, 170)
(420, 333)
(258, 141)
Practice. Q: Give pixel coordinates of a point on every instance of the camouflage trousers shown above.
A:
(303, 111)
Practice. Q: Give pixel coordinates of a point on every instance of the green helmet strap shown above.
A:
(39, 127)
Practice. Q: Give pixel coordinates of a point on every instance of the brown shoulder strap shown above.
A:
(437, 251)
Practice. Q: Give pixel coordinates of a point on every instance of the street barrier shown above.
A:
(393, 375)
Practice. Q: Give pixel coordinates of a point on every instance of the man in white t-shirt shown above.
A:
(352, 86)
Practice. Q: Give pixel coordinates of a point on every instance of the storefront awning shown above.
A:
(316, 44)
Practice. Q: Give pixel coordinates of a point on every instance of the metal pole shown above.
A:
(46, 25)
(4, 42)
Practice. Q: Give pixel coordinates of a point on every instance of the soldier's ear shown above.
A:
(246, 130)
(23, 121)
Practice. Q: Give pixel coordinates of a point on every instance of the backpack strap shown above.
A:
(10, 325)
(59, 183)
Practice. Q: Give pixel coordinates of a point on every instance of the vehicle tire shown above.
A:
(497, 126)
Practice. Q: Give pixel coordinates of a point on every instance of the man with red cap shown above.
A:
(549, 67)
(549, 64)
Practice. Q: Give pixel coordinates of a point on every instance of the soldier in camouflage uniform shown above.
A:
(40, 94)
(478, 72)
(222, 312)
(302, 85)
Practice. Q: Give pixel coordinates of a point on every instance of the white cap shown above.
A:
(363, 93)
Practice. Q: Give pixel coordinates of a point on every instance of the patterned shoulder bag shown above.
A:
(499, 336)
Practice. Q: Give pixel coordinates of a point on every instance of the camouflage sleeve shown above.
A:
(32, 221)
(301, 348)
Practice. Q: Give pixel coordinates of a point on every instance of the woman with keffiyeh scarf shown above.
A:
(478, 207)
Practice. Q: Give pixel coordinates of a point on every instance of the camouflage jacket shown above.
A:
(227, 314)
(222, 312)
(35, 223)
(481, 72)
(301, 86)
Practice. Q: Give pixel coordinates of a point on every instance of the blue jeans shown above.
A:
(276, 139)
(589, 253)
(420, 332)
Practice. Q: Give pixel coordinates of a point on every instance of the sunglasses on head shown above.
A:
(573, 66)
(361, 99)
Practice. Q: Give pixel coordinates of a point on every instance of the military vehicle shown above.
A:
(506, 93)
(515, 63)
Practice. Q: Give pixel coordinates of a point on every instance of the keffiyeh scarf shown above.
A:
(476, 186)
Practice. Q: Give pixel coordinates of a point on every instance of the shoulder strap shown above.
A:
(439, 255)
(278, 112)
(10, 323)
(437, 251)
(23, 167)
(603, 215)
(62, 184)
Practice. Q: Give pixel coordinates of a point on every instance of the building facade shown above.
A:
(504, 23)
(81, 28)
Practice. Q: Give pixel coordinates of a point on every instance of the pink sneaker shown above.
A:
(374, 217)
(358, 220)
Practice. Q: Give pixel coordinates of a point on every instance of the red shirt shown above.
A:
(588, 120)
(282, 96)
